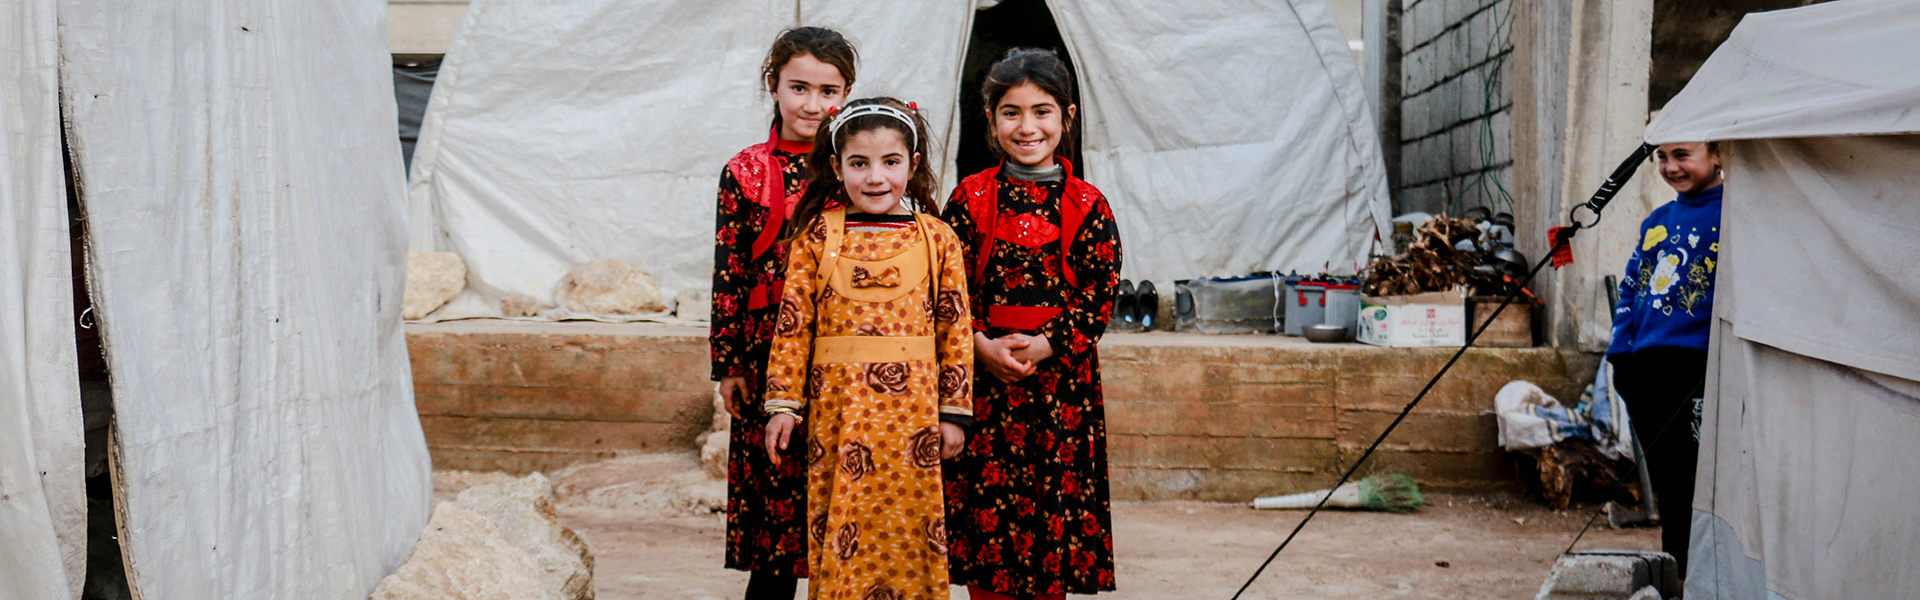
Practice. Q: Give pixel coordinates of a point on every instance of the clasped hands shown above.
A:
(1012, 357)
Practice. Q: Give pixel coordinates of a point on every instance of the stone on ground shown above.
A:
(714, 444)
(522, 512)
(608, 287)
(460, 556)
(495, 541)
(433, 278)
(1610, 575)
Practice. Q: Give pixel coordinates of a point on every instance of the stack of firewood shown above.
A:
(1431, 263)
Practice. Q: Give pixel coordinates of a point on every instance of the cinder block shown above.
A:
(1466, 144)
(1412, 26)
(1412, 163)
(1503, 139)
(1432, 162)
(1457, 11)
(1482, 41)
(1416, 71)
(1425, 430)
(1433, 21)
(1609, 575)
(1472, 88)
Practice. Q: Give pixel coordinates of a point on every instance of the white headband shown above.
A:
(833, 131)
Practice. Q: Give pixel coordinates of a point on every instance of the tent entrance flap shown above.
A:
(1005, 26)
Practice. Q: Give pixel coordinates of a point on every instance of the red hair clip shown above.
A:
(833, 110)
(913, 106)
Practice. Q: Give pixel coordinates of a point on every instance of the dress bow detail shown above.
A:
(862, 278)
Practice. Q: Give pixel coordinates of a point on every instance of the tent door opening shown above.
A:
(1007, 25)
(106, 575)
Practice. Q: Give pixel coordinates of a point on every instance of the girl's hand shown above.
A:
(779, 428)
(1035, 348)
(952, 439)
(996, 355)
(733, 392)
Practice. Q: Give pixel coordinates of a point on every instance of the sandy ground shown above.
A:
(647, 519)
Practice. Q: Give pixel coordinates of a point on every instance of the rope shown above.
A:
(1595, 204)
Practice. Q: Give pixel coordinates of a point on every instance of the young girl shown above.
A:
(1659, 350)
(807, 72)
(872, 351)
(1029, 497)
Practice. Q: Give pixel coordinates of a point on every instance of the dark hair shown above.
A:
(1043, 69)
(825, 184)
(824, 45)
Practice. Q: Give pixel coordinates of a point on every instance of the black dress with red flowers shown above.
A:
(1027, 502)
(766, 504)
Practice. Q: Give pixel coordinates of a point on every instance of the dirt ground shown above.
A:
(648, 520)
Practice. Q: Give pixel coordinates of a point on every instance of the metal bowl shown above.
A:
(1324, 333)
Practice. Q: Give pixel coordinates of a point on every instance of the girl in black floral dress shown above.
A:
(1027, 502)
(807, 72)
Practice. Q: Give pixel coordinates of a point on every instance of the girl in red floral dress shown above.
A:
(1028, 498)
(807, 72)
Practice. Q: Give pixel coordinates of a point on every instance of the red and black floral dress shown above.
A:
(1027, 502)
(766, 504)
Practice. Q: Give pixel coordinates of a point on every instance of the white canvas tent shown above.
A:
(244, 202)
(1806, 485)
(43, 512)
(1229, 136)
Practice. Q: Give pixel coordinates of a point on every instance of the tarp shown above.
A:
(1839, 68)
(43, 508)
(1812, 414)
(244, 199)
(1229, 136)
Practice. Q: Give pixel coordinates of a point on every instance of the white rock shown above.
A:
(608, 286)
(521, 305)
(522, 512)
(461, 556)
(693, 305)
(433, 278)
(715, 443)
(713, 454)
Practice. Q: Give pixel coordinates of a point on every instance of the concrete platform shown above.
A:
(1189, 416)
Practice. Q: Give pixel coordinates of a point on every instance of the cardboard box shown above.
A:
(1427, 320)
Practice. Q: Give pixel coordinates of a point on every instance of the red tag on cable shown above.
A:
(1562, 249)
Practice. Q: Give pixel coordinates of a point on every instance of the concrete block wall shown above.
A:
(1456, 125)
(1219, 418)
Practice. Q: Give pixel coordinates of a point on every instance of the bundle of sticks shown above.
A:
(1431, 263)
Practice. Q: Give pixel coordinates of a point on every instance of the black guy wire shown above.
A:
(1594, 205)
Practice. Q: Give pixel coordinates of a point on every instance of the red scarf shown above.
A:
(983, 201)
(762, 178)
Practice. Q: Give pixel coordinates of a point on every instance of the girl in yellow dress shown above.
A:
(873, 353)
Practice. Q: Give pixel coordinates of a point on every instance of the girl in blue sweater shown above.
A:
(1660, 327)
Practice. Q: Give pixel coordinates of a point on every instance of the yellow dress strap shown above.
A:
(926, 223)
(836, 220)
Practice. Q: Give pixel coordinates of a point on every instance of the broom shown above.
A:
(1386, 492)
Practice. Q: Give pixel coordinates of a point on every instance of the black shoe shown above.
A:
(1125, 303)
(1147, 304)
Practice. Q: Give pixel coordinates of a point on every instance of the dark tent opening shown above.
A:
(1008, 25)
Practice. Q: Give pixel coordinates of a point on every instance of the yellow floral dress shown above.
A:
(874, 346)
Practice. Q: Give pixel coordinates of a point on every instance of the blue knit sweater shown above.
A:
(1666, 298)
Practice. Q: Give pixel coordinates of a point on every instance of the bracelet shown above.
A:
(782, 410)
